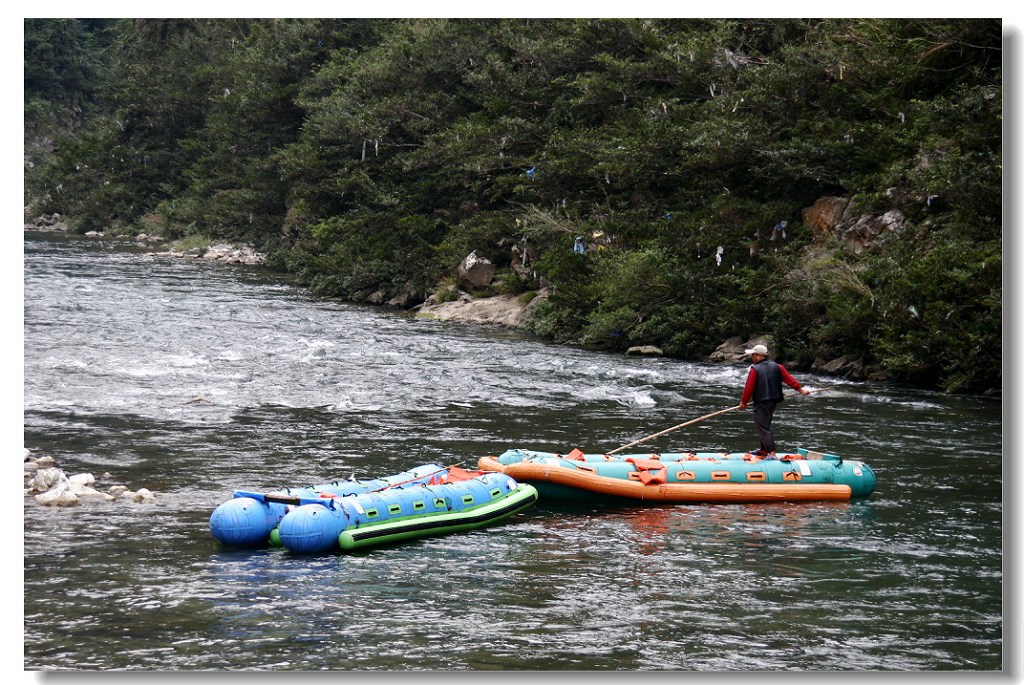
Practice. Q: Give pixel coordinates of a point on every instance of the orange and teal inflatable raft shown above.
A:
(687, 477)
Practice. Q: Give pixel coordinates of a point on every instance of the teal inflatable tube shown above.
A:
(685, 476)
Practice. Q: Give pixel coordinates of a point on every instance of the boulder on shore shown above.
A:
(509, 311)
(48, 222)
(475, 272)
(734, 350)
(854, 369)
(645, 350)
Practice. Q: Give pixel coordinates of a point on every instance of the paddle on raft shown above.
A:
(690, 423)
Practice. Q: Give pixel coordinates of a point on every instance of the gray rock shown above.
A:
(56, 489)
(733, 350)
(409, 297)
(645, 350)
(144, 496)
(81, 480)
(377, 297)
(475, 271)
(501, 310)
(88, 494)
(48, 479)
(58, 497)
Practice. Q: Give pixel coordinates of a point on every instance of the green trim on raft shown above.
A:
(411, 527)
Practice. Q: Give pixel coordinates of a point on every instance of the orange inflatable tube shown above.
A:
(534, 472)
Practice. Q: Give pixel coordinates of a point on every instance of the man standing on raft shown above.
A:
(764, 386)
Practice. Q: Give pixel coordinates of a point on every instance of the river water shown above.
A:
(194, 380)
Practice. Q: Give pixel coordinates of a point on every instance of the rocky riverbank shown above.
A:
(52, 487)
(733, 351)
(466, 305)
(510, 311)
(513, 311)
(222, 253)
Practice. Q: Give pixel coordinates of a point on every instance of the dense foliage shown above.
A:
(372, 155)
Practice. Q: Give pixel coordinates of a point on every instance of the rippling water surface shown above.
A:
(194, 380)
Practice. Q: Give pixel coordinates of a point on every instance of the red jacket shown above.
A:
(748, 389)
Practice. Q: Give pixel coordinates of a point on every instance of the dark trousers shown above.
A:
(763, 413)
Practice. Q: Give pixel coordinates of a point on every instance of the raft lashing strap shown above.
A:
(281, 499)
(651, 471)
(454, 475)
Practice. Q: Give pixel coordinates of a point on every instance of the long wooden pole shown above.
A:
(690, 423)
(674, 428)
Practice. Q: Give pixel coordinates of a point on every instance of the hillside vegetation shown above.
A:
(374, 155)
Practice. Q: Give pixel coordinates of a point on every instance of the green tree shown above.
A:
(372, 155)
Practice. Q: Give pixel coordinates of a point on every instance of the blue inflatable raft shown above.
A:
(349, 515)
